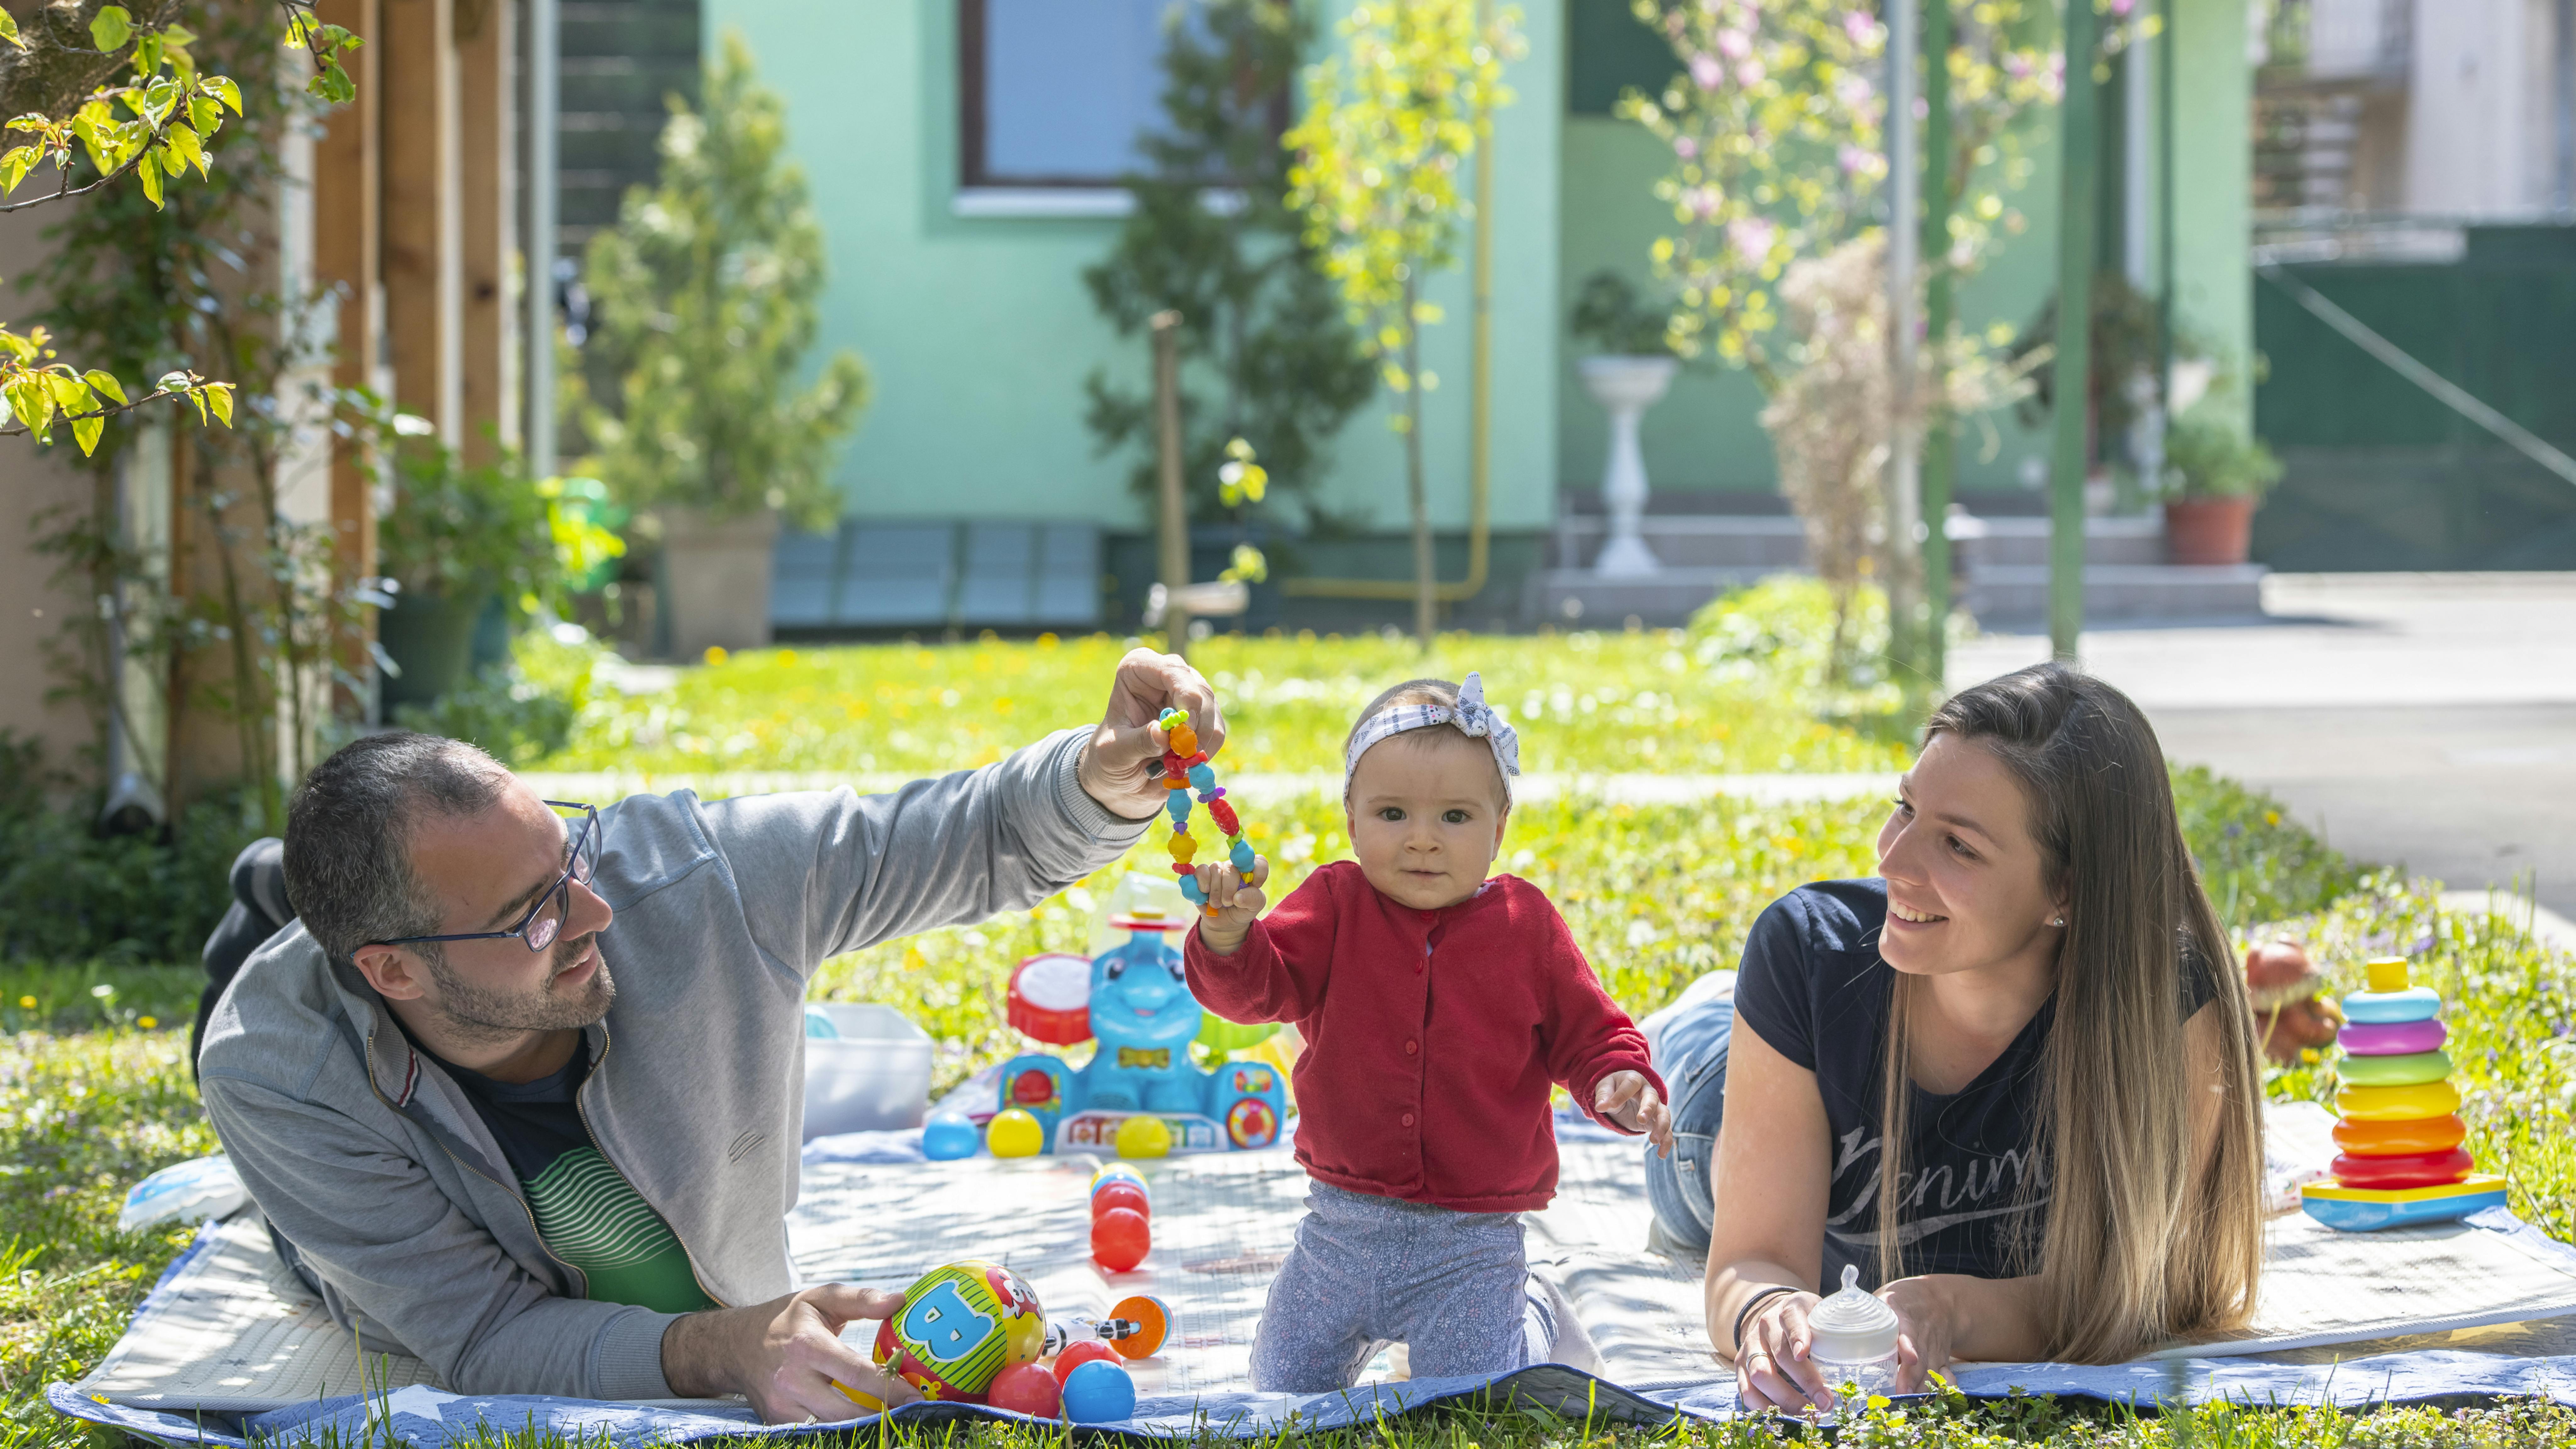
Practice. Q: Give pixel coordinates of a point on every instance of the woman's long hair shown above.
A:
(2140, 1243)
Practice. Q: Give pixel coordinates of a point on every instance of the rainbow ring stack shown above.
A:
(1185, 767)
(2401, 1162)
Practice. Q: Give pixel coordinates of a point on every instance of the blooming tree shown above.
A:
(1375, 170)
(1777, 126)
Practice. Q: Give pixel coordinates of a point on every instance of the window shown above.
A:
(1056, 91)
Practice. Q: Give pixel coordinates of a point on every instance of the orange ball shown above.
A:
(1184, 740)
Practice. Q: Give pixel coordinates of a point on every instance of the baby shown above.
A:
(1437, 1007)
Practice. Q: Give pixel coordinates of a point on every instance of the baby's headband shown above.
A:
(1470, 714)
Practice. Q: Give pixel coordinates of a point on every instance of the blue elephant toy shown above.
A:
(1135, 1001)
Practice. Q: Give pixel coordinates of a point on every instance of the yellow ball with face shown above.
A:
(959, 1327)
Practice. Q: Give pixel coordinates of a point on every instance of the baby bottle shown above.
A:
(1854, 1340)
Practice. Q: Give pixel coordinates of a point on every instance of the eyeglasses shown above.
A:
(544, 920)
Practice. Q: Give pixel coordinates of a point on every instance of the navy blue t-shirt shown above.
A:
(1976, 1179)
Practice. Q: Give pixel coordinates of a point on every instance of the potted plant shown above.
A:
(2215, 473)
(460, 547)
(1628, 374)
(693, 391)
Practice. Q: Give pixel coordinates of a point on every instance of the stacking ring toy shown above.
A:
(2396, 1104)
(2406, 1071)
(2389, 1008)
(2392, 1039)
(2419, 1169)
(2400, 1139)
(1185, 767)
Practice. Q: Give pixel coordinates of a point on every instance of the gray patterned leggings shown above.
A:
(1454, 1286)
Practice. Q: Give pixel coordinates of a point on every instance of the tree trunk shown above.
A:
(1426, 602)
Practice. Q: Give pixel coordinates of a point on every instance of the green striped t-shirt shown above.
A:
(589, 1215)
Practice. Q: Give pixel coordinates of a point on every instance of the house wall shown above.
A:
(978, 332)
(33, 479)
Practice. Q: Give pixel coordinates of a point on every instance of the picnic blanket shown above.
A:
(230, 1347)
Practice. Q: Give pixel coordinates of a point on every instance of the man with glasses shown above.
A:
(520, 1092)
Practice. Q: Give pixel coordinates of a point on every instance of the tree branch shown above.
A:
(20, 430)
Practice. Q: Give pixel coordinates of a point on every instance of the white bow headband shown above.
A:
(1471, 715)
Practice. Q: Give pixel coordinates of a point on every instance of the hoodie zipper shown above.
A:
(583, 1111)
(517, 1195)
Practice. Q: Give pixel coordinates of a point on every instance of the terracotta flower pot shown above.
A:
(2209, 530)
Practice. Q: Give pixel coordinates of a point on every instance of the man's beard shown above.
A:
(480, 1014)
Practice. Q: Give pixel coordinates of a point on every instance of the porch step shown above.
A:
(2017, 594)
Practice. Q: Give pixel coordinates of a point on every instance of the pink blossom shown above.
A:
(1750, 73)
(1859, 25)
(2016, 65)
(1751, 236)
(2121, 7)
(1701, 201)
(1854, 89)
(1734, 44)
(1705, 71)
(1685, 147)
(1856, 160)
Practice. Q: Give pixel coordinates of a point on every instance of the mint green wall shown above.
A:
(2214, 186)
(978, 331)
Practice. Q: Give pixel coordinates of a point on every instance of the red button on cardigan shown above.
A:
(1471, 1046)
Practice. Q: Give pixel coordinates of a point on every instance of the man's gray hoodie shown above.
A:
(371, 1162)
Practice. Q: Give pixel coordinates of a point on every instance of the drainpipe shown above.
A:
(2078, 220)
(1480, 401)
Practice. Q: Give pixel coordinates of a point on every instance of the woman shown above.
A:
(2030, 1002)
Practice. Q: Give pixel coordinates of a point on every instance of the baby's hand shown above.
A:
(1238, 903)
(1628, 1099)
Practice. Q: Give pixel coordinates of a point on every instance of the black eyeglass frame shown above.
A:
(574, 861)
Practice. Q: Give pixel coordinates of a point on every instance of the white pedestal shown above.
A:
(1625, 387)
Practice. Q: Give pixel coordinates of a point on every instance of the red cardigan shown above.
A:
(1431, 1036)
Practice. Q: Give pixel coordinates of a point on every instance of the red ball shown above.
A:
(1117, 1192)
(1027, 1388)
(1226, 820)
(1089, 1350)
(1120, 1238)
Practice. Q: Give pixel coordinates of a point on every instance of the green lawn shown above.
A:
(94, 1091)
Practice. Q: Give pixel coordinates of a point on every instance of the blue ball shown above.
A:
(1099, 1392)
(1190, 891)
(1179, 805)
(945, 1139)
(1202, 777)
(1242, 855)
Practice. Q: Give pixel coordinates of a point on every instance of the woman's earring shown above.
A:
(2060, 921)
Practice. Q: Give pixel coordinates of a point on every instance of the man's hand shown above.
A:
(1116, 768)
(1238, 903)
(1628, 1099)
(785, 1355)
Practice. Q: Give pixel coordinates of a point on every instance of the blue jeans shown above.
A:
(1690, 1053)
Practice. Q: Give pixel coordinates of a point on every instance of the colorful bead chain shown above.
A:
(1185, 767)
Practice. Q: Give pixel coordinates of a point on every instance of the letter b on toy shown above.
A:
(942, 1326)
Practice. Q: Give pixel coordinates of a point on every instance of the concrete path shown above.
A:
(2422, 720)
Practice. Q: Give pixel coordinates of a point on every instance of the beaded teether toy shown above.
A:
(1185, 767)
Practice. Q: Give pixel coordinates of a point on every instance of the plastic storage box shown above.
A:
(873, 1077)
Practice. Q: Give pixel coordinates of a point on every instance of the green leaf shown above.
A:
(14, 166)
(219, 395)
(9, 30)
(198, 396)
(333, 84)
(85, 432)
(147, 55)
(104, 384)
(111, 27)
(184, 147)
(223, 87)
(149, 173)
(205, 116)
